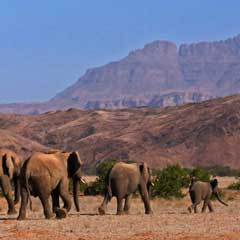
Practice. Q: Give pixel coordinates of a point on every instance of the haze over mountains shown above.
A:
(160, 74)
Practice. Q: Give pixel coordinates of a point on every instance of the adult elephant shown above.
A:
(10, 166)
(203, 191)
(47, 174)
(122, 181)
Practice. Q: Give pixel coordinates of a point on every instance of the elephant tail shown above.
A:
(193, 180)
(109, 189)
(109, 185)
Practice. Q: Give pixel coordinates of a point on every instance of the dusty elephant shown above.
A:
(47, 174)
(202, 191)
(123, 180)
(10, 170)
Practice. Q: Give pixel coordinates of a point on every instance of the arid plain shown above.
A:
(170, 221)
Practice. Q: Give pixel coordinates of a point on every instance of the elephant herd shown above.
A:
(47, 175)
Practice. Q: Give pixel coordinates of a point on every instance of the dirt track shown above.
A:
(170, 221)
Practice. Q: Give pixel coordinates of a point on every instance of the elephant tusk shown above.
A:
(83, 181)
(152, 184)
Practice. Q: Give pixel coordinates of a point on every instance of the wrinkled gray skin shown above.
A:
(123, 180)
(10, 166)
(47, 174)
(202, 191)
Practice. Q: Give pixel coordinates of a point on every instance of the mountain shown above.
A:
(196, 134)
(19, 144)
(160, 74)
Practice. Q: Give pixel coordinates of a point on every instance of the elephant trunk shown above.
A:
(219, 199)
(76, 185)
(16, 189)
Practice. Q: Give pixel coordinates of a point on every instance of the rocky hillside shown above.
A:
(160, 74)
(206, 133)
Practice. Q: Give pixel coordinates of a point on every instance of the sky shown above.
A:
(45, 46)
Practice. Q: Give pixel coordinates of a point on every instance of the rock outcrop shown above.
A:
(157, 75)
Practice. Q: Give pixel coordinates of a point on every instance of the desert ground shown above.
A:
(170, 220)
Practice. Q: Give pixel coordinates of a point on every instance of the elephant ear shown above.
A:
(73, 163)
(7, 165)
(214, 184)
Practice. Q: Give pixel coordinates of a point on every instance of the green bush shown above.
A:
(234, 186)
(169, 182)
(199, 174)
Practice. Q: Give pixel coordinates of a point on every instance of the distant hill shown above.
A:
(199, 134)
(160, 75)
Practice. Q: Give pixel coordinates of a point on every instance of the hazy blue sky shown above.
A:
(46, 46)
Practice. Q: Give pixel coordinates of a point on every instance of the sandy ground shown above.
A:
(169, 221)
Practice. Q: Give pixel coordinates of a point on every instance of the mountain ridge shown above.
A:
(158, 70)
(193, 134)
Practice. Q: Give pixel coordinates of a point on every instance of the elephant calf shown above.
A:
(202, 191)
(46, 174)
(123, 180)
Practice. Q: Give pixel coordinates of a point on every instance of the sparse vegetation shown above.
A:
(199, 174)
(234, 186)
(222, 171)
(169, 182)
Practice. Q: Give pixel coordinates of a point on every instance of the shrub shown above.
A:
(169, 182)
(234, 186)
(199, 174)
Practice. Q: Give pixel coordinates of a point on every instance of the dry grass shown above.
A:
(170, 221)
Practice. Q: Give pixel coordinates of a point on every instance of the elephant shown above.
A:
(122, 181)
(10, 170)
(202, 191)
(47, 174)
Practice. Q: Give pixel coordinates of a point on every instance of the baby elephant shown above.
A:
(199, 191)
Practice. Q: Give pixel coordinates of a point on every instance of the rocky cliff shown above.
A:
(160, 74)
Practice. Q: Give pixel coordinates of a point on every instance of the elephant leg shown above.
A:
(7, 192)
(205, 204)
(146, 199)
(24, 202)
(55, 200)
(119, 206)
(46, 206)
(194, 206)
(63, 191)
(210, 207)
(16, 189)
(127, 204)
(103, 208)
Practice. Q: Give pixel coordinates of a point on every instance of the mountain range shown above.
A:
(160, 74)
(194, 134)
